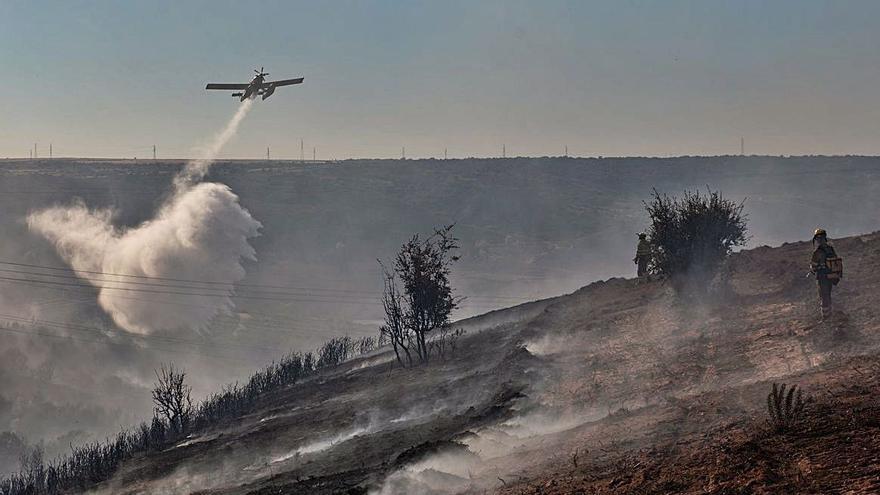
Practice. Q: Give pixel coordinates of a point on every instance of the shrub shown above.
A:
(785, 409)
(693, 234)
(445, 341)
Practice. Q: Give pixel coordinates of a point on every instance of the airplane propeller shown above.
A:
(260, 72)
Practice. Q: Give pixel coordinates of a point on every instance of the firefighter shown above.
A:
(827, 267)
(643, 255)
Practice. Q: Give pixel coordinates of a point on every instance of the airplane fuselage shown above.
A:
(253, 88)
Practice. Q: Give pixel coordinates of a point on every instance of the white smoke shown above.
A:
(323, 444)
(200, 233)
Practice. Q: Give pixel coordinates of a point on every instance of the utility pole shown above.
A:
(267, 153)
(503, 151)
(566, 151)
(445, 155)
(742, 146)
(403, 153)
(50, 150)
(314, 153)
(154, 152)
(302, 156)
(35, 151)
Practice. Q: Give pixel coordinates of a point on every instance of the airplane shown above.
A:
(257, 87)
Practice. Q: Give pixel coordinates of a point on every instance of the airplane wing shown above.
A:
(225, 86)
(284, 82)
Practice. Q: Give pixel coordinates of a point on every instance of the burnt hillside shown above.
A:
(619, 387)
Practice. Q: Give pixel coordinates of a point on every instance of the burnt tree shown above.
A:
(171, 396)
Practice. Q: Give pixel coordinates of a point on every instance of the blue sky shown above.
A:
(100, 78)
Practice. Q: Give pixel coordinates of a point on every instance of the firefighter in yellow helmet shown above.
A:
(643, 255)
(827, 267)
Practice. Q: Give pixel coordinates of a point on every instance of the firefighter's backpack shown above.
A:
(834, 264)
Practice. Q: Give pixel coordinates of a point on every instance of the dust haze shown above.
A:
(530, 228)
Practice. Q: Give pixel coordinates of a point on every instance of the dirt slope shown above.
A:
(619, 387)
(691, 377)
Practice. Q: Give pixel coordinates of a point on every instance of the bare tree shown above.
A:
(423, 268)
(395, 329)
(171, 395)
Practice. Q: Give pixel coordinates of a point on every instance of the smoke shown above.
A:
(476, 461)
(443, 473)
(200, 233)
(547, 345)
(323, 444)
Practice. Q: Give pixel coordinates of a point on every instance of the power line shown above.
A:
(279, 323)
(6, 270)
(147, 277)
(196, 294)
(225, 286)
(220, 292)
(183, 293)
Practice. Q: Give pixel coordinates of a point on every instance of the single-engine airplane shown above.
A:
(257, 87)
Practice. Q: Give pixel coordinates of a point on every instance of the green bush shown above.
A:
(693, 234)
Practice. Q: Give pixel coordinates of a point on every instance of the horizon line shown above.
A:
(430, 158)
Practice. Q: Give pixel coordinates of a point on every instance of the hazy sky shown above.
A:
(606, 78)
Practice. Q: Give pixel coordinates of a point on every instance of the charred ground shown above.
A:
(619, 387)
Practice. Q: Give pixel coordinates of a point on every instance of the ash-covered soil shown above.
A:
(835, 449)
(620, 387)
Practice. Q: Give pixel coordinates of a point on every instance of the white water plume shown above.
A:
(200, 233)
(196, 169)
